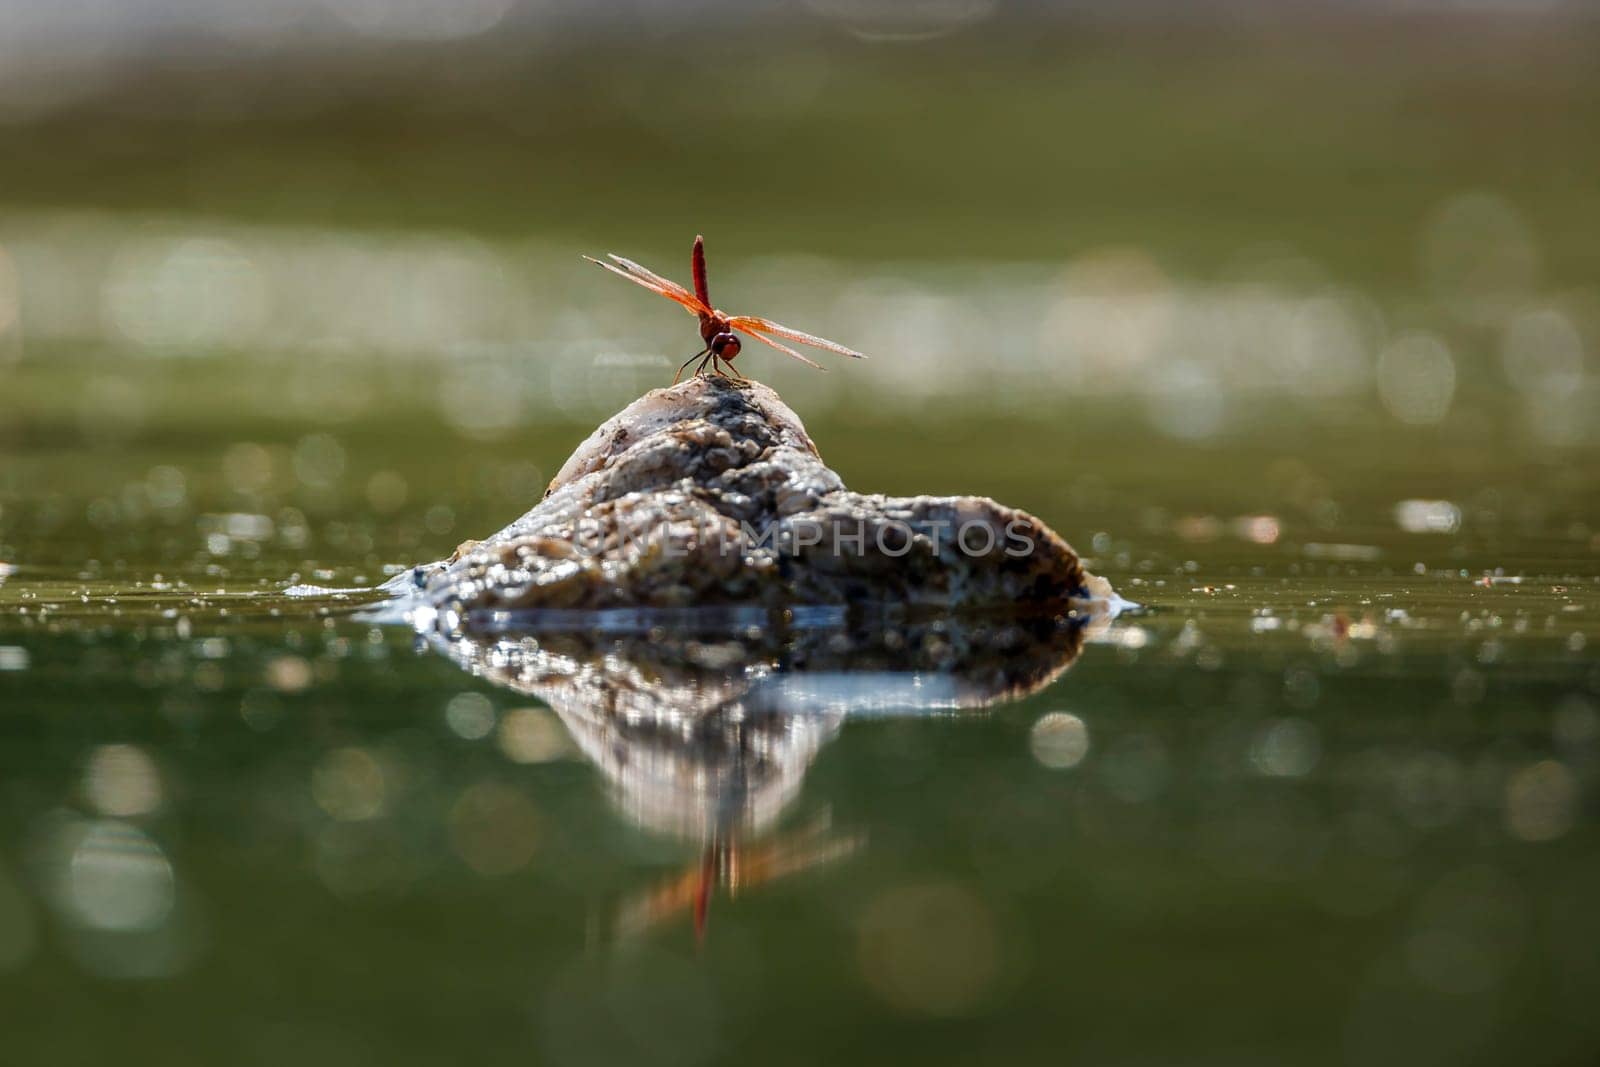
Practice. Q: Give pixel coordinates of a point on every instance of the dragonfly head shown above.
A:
(724, 345)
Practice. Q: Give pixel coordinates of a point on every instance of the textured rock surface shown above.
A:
(711, 493)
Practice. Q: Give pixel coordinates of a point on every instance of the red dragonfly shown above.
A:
(716, 329)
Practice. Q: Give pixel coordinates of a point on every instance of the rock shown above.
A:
(710, 493)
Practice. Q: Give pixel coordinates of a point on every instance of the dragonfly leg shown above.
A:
(686, 362)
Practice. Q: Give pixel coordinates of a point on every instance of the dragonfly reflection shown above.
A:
(706, 735)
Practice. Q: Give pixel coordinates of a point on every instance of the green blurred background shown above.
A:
(1285, 315)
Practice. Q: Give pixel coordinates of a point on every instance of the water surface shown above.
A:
(1329, 797)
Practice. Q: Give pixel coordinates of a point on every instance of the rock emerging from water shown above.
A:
(710, 493)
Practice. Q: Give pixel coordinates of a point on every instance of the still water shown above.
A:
(1329, 796)
(1303, 363)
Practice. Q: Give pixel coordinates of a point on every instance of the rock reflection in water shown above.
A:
(705, 730)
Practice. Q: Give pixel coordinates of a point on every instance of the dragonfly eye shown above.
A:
(725, 345)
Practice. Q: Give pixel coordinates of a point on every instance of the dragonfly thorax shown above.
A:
(713, 324)
(718, 335)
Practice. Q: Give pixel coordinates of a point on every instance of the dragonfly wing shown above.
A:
(675, 293)
(752, 324)
(781, 348)
(640, 271)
